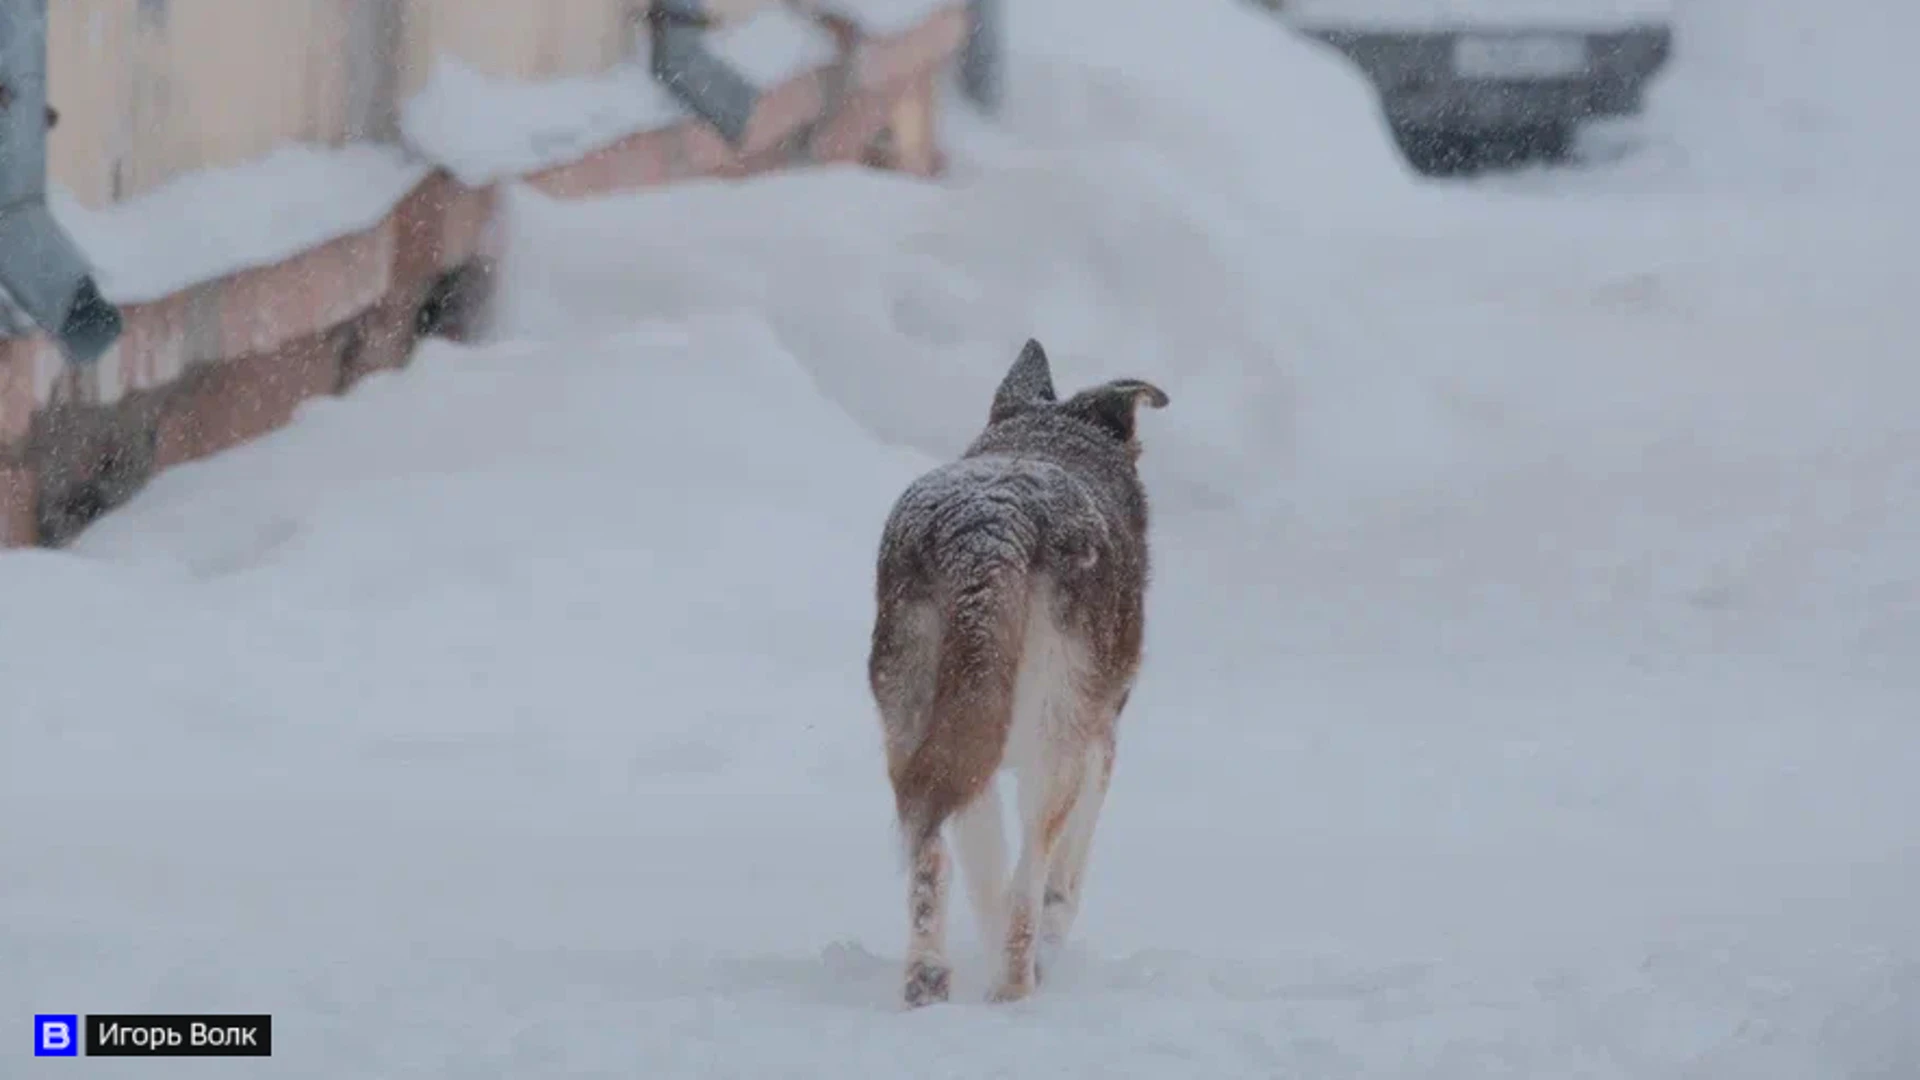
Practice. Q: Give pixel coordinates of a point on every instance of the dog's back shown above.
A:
(1010, 588)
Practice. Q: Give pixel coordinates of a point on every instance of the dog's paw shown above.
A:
(1011, 991)
(927, 984)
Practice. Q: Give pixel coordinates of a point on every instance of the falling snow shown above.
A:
(1531, 675)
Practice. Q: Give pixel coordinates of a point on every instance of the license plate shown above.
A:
(1519, 56)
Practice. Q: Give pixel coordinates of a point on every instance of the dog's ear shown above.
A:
(1029, 382)
(1112, 406)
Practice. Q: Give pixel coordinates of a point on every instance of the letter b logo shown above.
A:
(56, 1036)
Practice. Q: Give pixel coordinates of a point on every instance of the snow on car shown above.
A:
(1458, 78)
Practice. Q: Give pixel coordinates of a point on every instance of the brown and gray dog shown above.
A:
(1011, 588)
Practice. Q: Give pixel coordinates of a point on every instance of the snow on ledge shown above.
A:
(882, 18)
(529, 126)
(773, 46)
(210, 223)
(484, 128)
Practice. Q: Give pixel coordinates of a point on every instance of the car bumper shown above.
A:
(1419, 88)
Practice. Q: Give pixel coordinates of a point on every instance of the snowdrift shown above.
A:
(1598, 404)
(351, 535)
(1219, 89)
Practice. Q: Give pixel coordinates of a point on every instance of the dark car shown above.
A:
(1469, 82)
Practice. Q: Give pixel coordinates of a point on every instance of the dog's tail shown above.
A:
(965, 737)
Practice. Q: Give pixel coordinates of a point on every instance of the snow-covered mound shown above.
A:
(1220, 89)
(1665, 401)
(1131, 211)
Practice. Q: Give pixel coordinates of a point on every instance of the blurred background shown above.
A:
(443, 445)
(151, 88)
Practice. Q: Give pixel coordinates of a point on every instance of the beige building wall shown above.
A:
(149, 89)
(525, 39)
(89, 54)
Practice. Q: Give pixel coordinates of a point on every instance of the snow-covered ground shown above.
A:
(1533, 669)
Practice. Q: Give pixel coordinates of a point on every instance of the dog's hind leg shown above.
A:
(1048, 795)
(1066, 874)
(980, 835)
(928, 973)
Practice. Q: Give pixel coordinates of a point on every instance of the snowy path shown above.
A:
(403, 949)
(456, 785)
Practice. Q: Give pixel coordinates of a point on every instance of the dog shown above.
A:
(1011, 588)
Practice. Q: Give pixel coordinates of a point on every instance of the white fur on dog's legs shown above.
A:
(980, 835)
(1067, 874)
(1047, 798)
